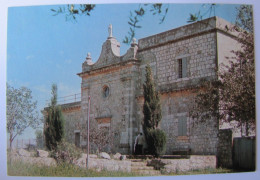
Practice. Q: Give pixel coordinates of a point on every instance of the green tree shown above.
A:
(152, 106)
(21, 111)
(54, 122)
(232, 96)
(156, 138)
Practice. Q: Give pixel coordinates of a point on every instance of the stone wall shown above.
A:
(177, 165)
(72, 117)
(225, 148)
(118, 105)
(197, 43)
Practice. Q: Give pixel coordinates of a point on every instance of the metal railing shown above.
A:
(67, 99)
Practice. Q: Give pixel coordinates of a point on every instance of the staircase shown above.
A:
(139, 166)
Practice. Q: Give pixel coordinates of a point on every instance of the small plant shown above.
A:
(66, 152)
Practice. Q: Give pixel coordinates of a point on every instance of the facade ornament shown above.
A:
(134, 43)
(110, 32)
(89, 59)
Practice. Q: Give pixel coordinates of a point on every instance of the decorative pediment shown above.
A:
(110, 54)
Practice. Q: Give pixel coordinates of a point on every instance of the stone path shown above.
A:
(139, 166)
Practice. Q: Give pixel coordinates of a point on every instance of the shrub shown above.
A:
(66, 152)
(156, 140)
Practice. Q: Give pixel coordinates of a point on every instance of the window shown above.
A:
(182, 66)
(182, 126)
(77, 139)
(105, 91)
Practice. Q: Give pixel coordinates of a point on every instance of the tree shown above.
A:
(155, 138)
(101, 138)
(152, 106)
(232, 96)
(21, 111)
(54, 122)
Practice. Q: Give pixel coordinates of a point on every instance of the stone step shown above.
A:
(134, 168)
(148, 172)
(137, 160)
(138, 164)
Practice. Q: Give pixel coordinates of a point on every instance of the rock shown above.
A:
(22, 152)
(84, 156)
(123, 157)
(104, 155)
(117, 156)
(93, 156)
(42, 153)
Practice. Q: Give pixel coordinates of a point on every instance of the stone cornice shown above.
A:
(211, 25)
(111, 67)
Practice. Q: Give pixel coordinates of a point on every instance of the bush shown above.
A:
(156, 141)
(66, 152)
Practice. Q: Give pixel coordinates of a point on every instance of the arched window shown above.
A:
(105, 91)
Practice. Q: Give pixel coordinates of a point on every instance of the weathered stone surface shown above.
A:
(104, 155)
(105, 164)
(194, 163)
(23, 152)
(26, 157)
(42, 153)
(117, 156)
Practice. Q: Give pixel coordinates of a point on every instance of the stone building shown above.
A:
(180, 58)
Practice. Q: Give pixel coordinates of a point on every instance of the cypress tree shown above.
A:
(155, 138)
(152, 106)
(54, 122)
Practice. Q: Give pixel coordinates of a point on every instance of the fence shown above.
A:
(67, 99)
(244, 153)
(26, 143)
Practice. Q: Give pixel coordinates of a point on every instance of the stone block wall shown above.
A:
(199, 48)
(119, 105)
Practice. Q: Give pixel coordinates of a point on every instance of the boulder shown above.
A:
(123, 157)
(104, 155)
(22, 152)
(42, 153)
(117, 156)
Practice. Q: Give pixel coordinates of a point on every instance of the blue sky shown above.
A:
(43, 49)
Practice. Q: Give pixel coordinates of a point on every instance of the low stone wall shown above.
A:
(105, 164)
(28, 157)
(176, 165)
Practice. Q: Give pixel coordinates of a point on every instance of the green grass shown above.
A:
(63, 170)
(18, 168)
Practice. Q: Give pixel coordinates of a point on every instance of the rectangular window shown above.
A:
(182, 126)
(77, 139)
(182, 65)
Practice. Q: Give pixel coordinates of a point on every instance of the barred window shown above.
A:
(182, 126)
(182, 66)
